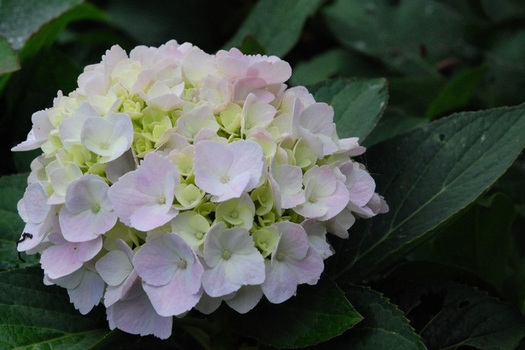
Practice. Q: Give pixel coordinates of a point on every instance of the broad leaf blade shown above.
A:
(276, 24)
(316, 314)
(358, 104)
(428, 175)
(19, 20)
(384, 326)
(451, 315)
(32, 314)
(408, 36)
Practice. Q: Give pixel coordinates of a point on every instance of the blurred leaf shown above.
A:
(11, 225)
(205, 23)
(49, 32)
(358, 104)
(393, 123)
(479, 241)
(334, 63)
(383, 327)
(505, 79)
(503, 10)
(250, 46)
(458, 93)
(33, 315)
(19, 20)
(8, 59)
(316, 314)
(428, 175)
(409, 36)
(451, 315)
(412, 94)
(276, 24)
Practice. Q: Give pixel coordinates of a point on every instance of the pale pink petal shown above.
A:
(61, 260)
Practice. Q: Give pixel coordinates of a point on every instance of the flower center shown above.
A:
(226, 255)
(182, 264)
(280, 256)
(225, 179)
(95, 207)
(161, 199)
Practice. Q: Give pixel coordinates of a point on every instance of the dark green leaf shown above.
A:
(19, 20)
(428, 175)
(335, 63)
(458, 92)
(480, 241)
(383, 327)
(506, 75)
(316, 314)
(49, 32)
(393, 122)
(276, 24)
(451, 315)
(8, 59)
(409, 36)
(358, 104)
(11, 225)
(33, 315)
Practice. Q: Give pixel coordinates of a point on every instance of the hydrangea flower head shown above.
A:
(172, 180)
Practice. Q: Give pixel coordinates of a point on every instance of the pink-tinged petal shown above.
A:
(137, 316)
(215, 283)
(173, 298)
(336, 202)
(120, 166)
(289, 180)
(166, 257)
(307, 270)
(245, 299)
(227, 170)
(114, 267)
(360, 184)
(280, 283)
(190, 123)
(233, 260)
(87, 212)
(339, 224)
(88, 293)
(148, 217)
(148, 190)
(64, 259)
(293, 243)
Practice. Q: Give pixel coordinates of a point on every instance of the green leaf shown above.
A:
(428, 175)
(48, 33)
(479, 241)
(276, 24)
(8, 59)
(11, 225)
(384, 326)
(393, 122)
(316, 314)
(409, 36)
(33, 315)
(358, 104)
(458, 92)
(19, 20)
(335, 63)
(506, 75)
(451, 315)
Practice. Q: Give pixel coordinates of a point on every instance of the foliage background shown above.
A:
(444, 270)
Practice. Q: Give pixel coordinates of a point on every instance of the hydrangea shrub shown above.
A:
(172, 180)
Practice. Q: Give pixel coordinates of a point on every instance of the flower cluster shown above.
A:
(172, 179)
